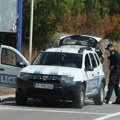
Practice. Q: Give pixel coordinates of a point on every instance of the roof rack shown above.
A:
(84, 48)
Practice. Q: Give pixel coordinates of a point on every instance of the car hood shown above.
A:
(53, 70)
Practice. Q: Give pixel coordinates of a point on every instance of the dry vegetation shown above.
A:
(6, 91)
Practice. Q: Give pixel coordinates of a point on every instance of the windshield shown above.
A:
(78, 40)
(59, 59)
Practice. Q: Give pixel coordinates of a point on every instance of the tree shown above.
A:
(114, 7)
(71, 16)
(77, 7)
(47, 16)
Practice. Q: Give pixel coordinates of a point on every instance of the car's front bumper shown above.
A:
(59, 91)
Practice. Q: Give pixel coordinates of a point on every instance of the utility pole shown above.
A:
(19, 29)
(31, 30)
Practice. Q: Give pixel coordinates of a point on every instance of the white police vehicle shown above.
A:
(11, 62)
(68, 72)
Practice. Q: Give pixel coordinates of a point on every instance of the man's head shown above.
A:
(109, 47)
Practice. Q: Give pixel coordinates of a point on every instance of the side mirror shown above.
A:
(89, 68)
(21, 64)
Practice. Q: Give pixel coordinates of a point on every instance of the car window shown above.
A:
(98, 62)
(9, 57)
(59, 59)
(87, 61)
(93, 60)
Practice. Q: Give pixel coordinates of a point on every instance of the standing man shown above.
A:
(114, 67)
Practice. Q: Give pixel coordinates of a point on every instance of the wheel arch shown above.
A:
(84, 84)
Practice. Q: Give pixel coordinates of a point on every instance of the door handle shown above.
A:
(1, 69)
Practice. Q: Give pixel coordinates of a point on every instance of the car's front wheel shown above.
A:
(99, 98)
(80, 98)
(20, 100)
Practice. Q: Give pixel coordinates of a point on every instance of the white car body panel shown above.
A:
(55, 70)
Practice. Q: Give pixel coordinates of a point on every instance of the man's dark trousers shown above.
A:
(113, 84)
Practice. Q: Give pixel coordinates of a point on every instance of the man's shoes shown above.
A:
(106, 101)
(116, 102)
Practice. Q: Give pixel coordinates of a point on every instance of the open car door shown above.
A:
(11, 62)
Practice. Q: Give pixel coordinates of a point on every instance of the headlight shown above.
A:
(25, 76)
(67, 79)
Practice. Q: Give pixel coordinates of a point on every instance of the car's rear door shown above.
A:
(89, 73)
(10, 60)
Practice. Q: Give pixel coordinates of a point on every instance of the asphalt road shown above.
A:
(37, 110)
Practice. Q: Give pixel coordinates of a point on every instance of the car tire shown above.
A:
(43, 100)
(78, 102)
(20, 99)
(99, 98)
